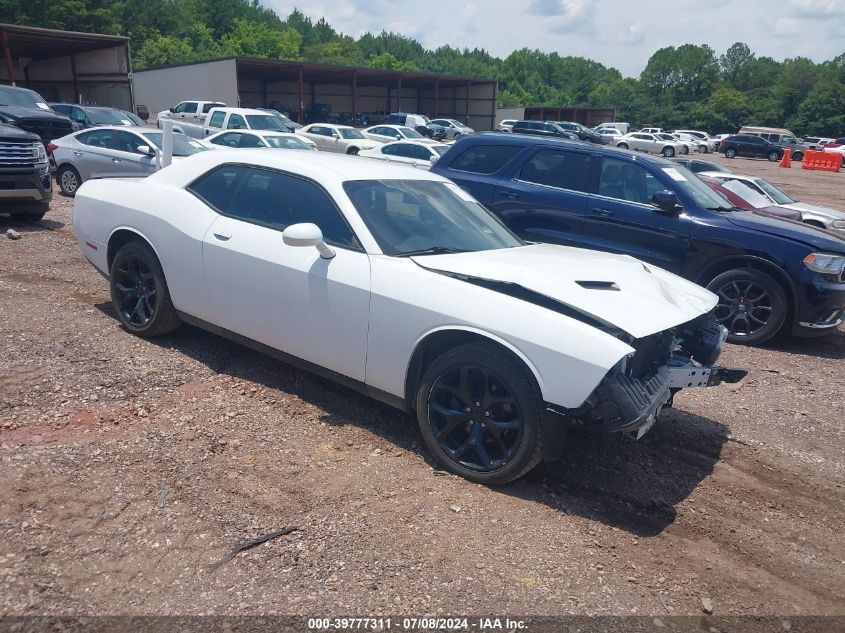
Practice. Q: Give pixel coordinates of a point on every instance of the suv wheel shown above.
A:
(752, 305)
(139, 292)
(479, 411)
(730, 153)
(799, 156)
(69, 180)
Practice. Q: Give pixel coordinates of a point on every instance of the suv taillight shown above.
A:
(721, 144)
(52, 147)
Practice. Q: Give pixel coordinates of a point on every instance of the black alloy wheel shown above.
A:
(752, 305)
(139, 292)
(475, 418)
(136, 295)
(479, 410)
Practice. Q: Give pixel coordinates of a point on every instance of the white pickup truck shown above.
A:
(224, 118)
(189, 116)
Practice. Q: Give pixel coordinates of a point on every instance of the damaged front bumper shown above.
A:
(632, 395)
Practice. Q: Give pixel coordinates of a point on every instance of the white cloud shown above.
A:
(616, 33)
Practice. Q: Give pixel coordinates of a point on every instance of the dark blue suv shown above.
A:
(769, 274)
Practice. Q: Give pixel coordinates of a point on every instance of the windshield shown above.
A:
(773, 192)
(348, 132)
(182, 146)
(409, 216)
(287, 142)
(409, 133)
(265, 122)
(697, 189)
(107, 116)
(22, 97)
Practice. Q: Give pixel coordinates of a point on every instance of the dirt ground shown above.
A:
(131, 466)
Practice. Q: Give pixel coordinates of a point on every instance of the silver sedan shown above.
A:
(454, 128)
(112, 151)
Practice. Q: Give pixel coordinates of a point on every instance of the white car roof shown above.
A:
(335, 126)
(415, 141)
(242, 110)
(721, 174)
(253, 133)
(322, 167)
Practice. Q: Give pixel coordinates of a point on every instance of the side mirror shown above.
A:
(144, 149)
(307, 234)
(398, 137)
(666, 202)
(173, 109)
(433, 159)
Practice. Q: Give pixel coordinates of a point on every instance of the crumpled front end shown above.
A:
(632, 395)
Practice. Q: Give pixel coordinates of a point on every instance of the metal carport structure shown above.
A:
(86, 68)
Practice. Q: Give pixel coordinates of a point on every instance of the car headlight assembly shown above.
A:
(828, 264)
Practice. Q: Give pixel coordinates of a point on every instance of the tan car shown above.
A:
(342, 139)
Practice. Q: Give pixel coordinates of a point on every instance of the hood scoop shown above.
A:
(599, 285)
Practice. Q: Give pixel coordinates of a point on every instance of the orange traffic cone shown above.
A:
(785, 161)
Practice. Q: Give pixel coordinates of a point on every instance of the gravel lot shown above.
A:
(130, 466)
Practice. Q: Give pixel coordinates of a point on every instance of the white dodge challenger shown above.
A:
(399, 284)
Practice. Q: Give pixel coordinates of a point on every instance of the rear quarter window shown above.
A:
(485, 159)
(215, 187)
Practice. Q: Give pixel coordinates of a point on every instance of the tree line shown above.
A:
(684, 86)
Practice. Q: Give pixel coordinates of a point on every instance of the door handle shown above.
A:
(602, 212)
(223, 237)
(116, 160)
(513, 195)
(75, 153)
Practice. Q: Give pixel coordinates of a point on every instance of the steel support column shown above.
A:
(436, 98)
(399, 94)
(466, 104)
(354, 97)
(301, 105)
(7, 53)
(76, 97)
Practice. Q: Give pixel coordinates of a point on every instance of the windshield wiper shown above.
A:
(433, 250)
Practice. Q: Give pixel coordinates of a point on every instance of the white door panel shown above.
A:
(289, 297)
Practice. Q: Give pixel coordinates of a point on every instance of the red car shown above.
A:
(745, 198)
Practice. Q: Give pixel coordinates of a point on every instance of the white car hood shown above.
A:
(643, 300)
(813, 208)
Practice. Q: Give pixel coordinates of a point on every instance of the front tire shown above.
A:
(730, 153)
(752, 305)
(353, 151)
(622, 146)
(69, 180)
(139, 292)
(668, 152)
(798, 156)
(480, 412)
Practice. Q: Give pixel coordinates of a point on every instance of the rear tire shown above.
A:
(730, 153)
(353, 151)
(480, 412)
(69, 180)
(139, 292)
(798, 156)
(752, 305)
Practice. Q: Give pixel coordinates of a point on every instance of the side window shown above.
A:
(554, 168)
(279, 200)
(250, 140)
(236, 122)
(216, 119)
(623, 180)
(180, 107)
(96, 138)
(128, 142)
(485, 159)
(215, 187)
(230, 139)
(420, 152)
(78, 115)
(206, 108)
(391, 149)
(189, 107)
(316, 129)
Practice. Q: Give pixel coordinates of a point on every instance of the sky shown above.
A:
(619, 33)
